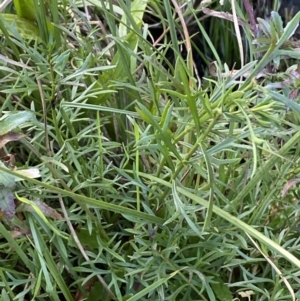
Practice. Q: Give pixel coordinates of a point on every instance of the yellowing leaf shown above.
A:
(40, 213)
(45, 209)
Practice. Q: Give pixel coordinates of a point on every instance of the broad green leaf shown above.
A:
(222, 291)
(127, 44)
(28, 10)
(14, 120)
(135, 16)
(6, 180)
(88, 240)
(26, 28)
(25, 9)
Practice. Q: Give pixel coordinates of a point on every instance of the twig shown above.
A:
(188, 44)
(250, 12)
(238, 33)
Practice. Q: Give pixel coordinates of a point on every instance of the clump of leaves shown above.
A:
(158, 184)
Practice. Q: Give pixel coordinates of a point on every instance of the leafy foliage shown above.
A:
(154, 183)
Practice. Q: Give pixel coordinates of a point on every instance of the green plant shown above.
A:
(155, 184)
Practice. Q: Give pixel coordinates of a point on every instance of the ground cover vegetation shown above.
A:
(149, 150)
